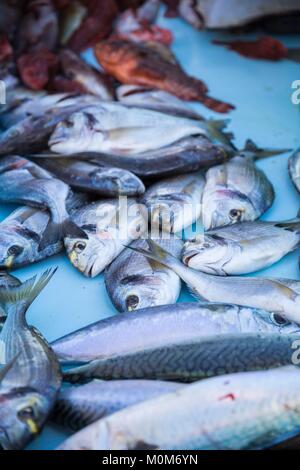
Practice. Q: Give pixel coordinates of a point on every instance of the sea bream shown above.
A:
(133, 282)
(24, 182)
(256, 292)
(79, 406)
(154, 327)
(237, 191)
(241, 248)
(29, 389)
(174, 203)
(120, 130)
(249, 410)
(108, 226)
(294, 169)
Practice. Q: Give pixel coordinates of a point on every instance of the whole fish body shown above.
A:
(241, 248)
(275, 295)
(153, 327)
(174, 203)
(29, 389)
(108, 226)
(22, 231)
(235, 191)
(132, 282)
(113, 128)
(294, 169)
(247, 410)
(77, 407)
(107, 181)
(25, 182)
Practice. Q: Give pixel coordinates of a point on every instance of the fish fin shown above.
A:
(292, 225)
(6, 368)
(26, 292)
(216, 129)
(259, 153)
(55, 232)
(157, 253)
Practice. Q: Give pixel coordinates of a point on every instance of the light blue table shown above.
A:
(261, 92)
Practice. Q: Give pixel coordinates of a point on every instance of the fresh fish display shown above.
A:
(239, 411)
(132, 282)
(242, 248)
(6, 281)
(22, 231)
(94, 178)
(174, 203)
(108, 226)
(29, 389)
(140, 64)
(157, 100)
(150, 328)
(256, 292)
(236, 191)
(79, 406)
(294, 169)
(119, 130)
(24, 182)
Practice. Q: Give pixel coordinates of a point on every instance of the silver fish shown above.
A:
(35, 373)
(270, 294)
(119, 130)
(6, 281)
(247, 410)
(77, 407)
(152, 328)
(107, 181)
(25, 182)
(132, 282)
(294, 169)
(107, 226)
(174, 203)
(241, 248)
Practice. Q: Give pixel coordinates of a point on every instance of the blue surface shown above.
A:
(261, 92)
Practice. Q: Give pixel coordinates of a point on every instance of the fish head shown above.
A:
(23, 413)
(15, 250)
(226, 207)
(74, 134)
(206, 253)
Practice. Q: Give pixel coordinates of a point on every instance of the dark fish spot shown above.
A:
(141, 445)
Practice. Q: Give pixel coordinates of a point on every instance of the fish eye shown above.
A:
(15, 250)
(79, 247)
(132, 302)
(235, 214)
(279, 320)
(26, 413)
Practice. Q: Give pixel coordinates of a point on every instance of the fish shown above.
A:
(257, 292)
(156, 100)
(29, 389)
(6, 281)
(223, 14)
(139, 64)
(294, 169)
(25, 182)
(22, 231)
(133, 283)
(154, 327)
(246, 410)
(237, 191)
(91, 80)
(241, 248)
(32, 133)
(174, 203)
(108, 226)
(71, 18)
(77, 407)
(113, 128)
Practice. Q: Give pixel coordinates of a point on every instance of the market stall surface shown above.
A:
(261, 92)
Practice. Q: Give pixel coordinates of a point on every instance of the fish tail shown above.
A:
(56, 232)
(216, 128)
(157, 253)
(260, 153)
(25, 293)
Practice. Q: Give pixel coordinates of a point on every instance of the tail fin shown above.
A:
(216, 130)
(26, 292)
(157, 253)
(259, 153)
(55, 233)
(216, 105)
(6, 368)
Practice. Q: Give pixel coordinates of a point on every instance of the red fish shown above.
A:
(266, 48)
(37, 68)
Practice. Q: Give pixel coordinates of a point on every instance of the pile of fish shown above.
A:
(113, 173)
